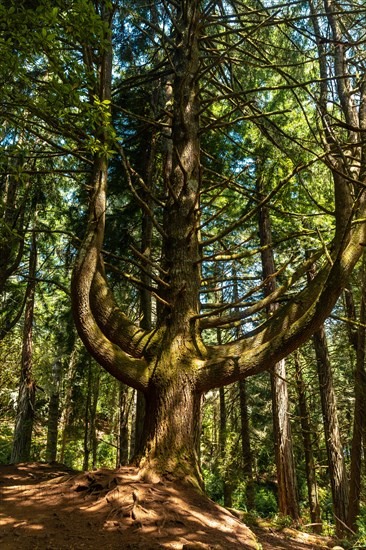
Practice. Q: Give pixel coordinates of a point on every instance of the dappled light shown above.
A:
(55, 507)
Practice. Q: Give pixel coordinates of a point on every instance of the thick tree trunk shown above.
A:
(336, 464)
(171, 421)
(170, 428)
(307, 435)
(27, 387)
(53, 413)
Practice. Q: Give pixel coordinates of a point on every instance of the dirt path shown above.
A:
(48, 507)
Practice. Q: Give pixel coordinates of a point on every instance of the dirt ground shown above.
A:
(49, 507)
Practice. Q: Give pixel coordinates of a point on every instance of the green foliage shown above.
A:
(360, 540)
(265, 502)
(6, 440)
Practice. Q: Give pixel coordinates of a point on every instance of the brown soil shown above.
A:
(49, 507)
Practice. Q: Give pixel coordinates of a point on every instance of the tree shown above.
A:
(203, 74)
(54, 412)
(27, 386)
(357, 340)
(336, 462)
(308, 435)
(172, 365)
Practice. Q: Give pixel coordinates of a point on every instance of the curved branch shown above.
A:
(288, 327)
(115, 325)
(131, 371)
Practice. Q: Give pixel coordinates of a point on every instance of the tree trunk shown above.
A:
(227, 488)
(53, 413)
(123, 425)
(67, 405)
(336, 464)
(171, 425)
(357, 338)
(307, 435)
(12, 228)
(246, 447)
(87, 418)
(93, 413)
(27, 387)
(286, 473)
(286, 476)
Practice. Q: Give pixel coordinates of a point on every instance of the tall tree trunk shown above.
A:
(246, 447)
(93, 413)
(244, 421)
(307, 435)
(27, 387)
(87, 417)
(148, 172)
(133, 449)
(357, 338)
(53, 412)
(227, 488)
(336, 463)
(286, 475)
(123, 425)
(67, 405)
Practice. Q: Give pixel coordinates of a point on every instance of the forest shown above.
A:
(182, 247)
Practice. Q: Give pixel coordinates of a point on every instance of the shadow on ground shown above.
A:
(49, 507)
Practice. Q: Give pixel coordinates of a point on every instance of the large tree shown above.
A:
(227, 75)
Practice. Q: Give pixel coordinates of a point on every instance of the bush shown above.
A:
(265, 502)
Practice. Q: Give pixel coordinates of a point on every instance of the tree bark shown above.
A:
(11, 246)
(227, 488)
(53, 412)
(67, 405)
(336, 463)
(123, 425)
(357, 338)
(27, 387)
(87, 417)
(286, 475)
(307, 436)
(93, 414)
(246, 447)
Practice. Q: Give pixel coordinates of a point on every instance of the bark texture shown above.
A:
(53, 413)
(27, 388)
(286, 474)
(308, 436)
(246, 447)
(358, 339)
(336, 463)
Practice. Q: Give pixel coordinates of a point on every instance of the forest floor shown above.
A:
(49, 507)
